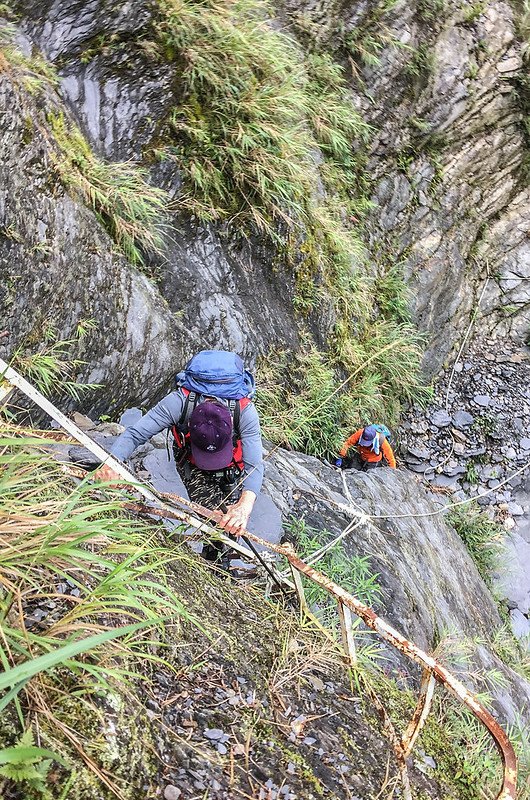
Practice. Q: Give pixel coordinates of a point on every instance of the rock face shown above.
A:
(58, 265)
(207, 293)
(448, 122)
(430, 586)
(445, 161)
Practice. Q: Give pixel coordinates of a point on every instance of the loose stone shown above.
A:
(214, 734)
(171, 792)
(420, 452)
(440, 419)
(462, 419)
(520, 623)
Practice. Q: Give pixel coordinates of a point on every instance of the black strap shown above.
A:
(190, 397)
(236, 416)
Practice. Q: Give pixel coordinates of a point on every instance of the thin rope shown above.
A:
(318, 554)
(466, 337)
(350, 510)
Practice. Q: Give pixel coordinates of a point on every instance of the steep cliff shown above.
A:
(356, 164)
(440, 88)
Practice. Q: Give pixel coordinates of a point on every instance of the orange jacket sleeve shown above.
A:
(388, 454)
(353, 439)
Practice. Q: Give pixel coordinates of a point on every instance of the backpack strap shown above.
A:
(182, 438)
(191, 397)
(235, 410)
(240, 406)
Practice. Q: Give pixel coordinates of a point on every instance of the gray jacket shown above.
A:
(167, 413)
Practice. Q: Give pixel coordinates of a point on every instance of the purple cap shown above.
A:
(367, 436)
(210, 429)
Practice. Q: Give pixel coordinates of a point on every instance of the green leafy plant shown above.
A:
(300, 399)
(52, 534)
(430, 10)
(421, 62)
(52, 370)
(514, 653)
(392, 294)
(34, 71)
(252, 114)
(301, 413)
(471, 472)
(371, 35)
(353, 573)
(472, 11)
(28, 765)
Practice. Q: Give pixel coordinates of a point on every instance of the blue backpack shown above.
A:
(217, 373)
(385, 431)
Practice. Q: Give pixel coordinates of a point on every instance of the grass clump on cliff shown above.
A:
(352, 573)
(312, 401)
(253, 114)
(481, 535)
(267, 138)
(119, 193)
(76, 572)
(51, 369)
(33, 70)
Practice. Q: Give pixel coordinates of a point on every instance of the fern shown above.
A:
(26, 764)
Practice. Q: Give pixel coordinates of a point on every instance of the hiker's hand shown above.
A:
(105, 473)
(236, 518)
(338, 462)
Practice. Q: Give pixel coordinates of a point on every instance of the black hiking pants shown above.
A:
(214, 490)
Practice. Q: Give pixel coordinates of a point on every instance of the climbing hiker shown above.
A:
(216, 439)
(371, 447)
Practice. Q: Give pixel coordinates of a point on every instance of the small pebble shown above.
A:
(214, 734)
(171, 792)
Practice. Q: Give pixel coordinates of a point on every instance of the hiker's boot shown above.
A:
(212, 552)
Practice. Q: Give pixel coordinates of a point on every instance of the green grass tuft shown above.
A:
(119, 192)
(51, 369)
(482, 537)
(34, 71)
(52, 533)
(253, 115)
(267, 138)
(298, 400)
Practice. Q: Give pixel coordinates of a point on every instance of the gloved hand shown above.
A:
(338, 462)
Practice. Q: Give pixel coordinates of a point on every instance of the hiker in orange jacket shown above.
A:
(371, 446)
